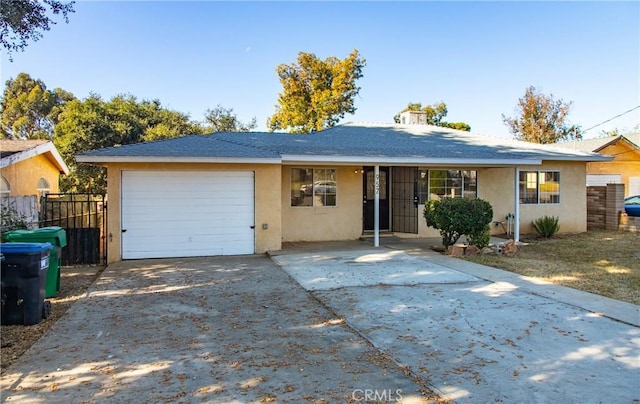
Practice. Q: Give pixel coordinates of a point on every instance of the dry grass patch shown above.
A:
(601, 262)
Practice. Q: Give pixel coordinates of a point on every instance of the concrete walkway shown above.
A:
(474, 333)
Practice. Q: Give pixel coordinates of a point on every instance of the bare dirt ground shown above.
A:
(17, 339)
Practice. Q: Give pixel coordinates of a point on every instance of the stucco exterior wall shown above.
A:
(340, 222)
(496, 185)
(268, 191)
(288, 223)
(24, 175)
(572, 209)
(626, 162)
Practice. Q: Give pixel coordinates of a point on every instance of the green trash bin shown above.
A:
(58, 239)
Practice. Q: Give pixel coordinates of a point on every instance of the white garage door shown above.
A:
(187, 213)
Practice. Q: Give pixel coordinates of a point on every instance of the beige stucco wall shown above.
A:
(267, 201)
(496, 185)
(24, 175)
(288, 223)
(340, 222)
(626, 162)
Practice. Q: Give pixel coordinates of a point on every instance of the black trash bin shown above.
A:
(23, 282)
(58, 239)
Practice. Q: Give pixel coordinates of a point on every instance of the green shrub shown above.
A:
(546, 226)
(457, 216)
(482, 239)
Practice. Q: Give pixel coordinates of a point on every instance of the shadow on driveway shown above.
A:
(478, 334)
(222, 329)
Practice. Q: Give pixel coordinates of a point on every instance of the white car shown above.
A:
(321, 188)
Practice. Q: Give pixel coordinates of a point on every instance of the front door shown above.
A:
(369, 187)
(404, 198)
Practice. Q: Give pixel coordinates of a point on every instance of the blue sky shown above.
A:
(477, 57)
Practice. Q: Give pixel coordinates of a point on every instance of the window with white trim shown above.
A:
(313, 187)
(5, 188)
(43, 186)
(539, 187)
(437, 184)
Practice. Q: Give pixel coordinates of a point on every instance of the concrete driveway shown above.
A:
(220, 330)
(372, 324)
(478, 334)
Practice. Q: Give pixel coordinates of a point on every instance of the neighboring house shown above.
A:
(623, 169)
(30, 167)
(246, 193)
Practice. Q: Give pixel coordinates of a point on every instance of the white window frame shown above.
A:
(5, 190)
(43, 190)
(537, 179)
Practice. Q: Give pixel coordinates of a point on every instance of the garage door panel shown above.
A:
(180, 194)
(220, 198)
(161, 248)
(187, 213)
(175, 206)
(175, 231)
(194, 213)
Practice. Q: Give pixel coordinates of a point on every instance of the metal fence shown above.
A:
(83, 216)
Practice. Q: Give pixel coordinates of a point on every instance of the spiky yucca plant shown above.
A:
(546, 226)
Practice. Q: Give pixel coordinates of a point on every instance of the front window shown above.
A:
(313, 187)
(43, 186)
(537, 187)
(5, 188)
(437, 184)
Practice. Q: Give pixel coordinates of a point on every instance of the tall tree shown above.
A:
(84, 125)
(29, 110)
(166, 124)
(93, 123)
(316, 93)
(221, 119)
(24, 20)
(541, 119)
(435, 115)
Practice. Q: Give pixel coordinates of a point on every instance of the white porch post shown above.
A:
(516, 214)
(376, 208)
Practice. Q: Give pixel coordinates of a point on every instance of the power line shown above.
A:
(611, 119)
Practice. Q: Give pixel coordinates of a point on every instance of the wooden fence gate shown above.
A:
(83, 216)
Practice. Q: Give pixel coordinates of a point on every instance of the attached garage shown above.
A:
(187, 213)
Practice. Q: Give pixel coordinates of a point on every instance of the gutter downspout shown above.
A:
(516, 216)
(376, 208)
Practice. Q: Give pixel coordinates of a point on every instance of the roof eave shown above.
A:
(612, 141)
(45, 148)
(163, 159)
(586, 159)
(382, 160)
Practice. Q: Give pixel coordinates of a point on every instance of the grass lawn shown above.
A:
(602, 262)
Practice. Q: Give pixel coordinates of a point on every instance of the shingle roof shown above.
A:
(595, 145)
(357, 141)
(185, 146)
(9, 147)
(15, 151)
